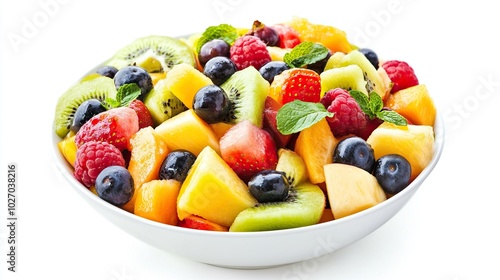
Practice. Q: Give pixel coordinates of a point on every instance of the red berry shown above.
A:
(348, 117)
(248, 149)
(289, 38)
(249, 51)
(143, 113)
(92, 157)
(296, 83)
(114, 126)
(401, 74)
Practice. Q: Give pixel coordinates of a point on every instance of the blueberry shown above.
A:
(137, 75)
(176, 165)
(212, 104)
(84, 112)
(269, 186)
(213, 48)
(269, 70)
(371, 56)
(115, 185)
(219, 69)
(393, 173)
(355, 151)
(107, 71)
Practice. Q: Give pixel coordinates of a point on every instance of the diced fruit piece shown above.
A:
(93, 86)
(355, 151)
(143, 114)
(115, 185)
(249, 51)
(393, 173)
(414, 142)
(269, 186)
(92, 157)
(351, 189)
(162, 103)
(415, 104)
(371, 76)
(326, 216)
(156, 77)
(276, 53)
(348, 77)
(329, 36)
(157, 201)
(315, 145)
(247, 90)
(303, 207)
(67, 147)
(371, 55)
(114, 126)
(220, 128)
(271, 108)
(184, 81)
(148, 151)
(293, 165)
(177, 165)
(189, 132)
(296, 83)
(213, 191)
(289, 38)
(195, 222)
(248, 149)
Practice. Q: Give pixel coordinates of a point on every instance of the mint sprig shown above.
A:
(372, 105)
(125, 95)
(305, 53)
(298, 115)
(223, 31)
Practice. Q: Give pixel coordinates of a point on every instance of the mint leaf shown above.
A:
(305, 53)
(298, 115)
(373, 106)
(223, 31)
(127, 93)
(110, 103)
(392, 117)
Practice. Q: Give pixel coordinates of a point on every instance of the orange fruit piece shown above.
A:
(415, 104)
(157, 201)
(67, 147)
(331, 37)
(196, 222)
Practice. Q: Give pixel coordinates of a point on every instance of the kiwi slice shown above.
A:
(247, 90)
(156, 54)
(370, 75)
(162, 103)
(93, 86)
(303, 206)
(348, 77)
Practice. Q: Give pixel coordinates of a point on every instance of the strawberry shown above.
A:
(271, 108)
(143, 113)
(114, 126)
(248, 149)
(296, 83)
(289, 38)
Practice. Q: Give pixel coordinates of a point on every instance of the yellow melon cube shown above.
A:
(68, 148)
(415, 104)
(184, 81)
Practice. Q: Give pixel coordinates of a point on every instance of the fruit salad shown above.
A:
(256, 128)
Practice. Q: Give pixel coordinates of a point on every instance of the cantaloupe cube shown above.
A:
(415, 104)
(157, 201)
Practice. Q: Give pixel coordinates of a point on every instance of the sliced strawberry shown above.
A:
(248, 149)
(196, 222)
(114, 126)
(143, 113)
(271, 108)
(289, 38)
(296, 83)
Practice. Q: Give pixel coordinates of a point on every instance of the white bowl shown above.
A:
(244, 249)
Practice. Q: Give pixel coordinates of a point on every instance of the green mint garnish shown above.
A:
(223, 31)
(305, 53)
(298, 115)
(372, 105)
(125, 95)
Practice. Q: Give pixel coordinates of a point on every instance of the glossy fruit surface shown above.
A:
(134, 75)
(115, 185)
(85, 111)
(211, 49)
(176, 165)
(355, 151)
(269, 186)
(393, 173)
(219, 69)
(211, 104)
(273, 68)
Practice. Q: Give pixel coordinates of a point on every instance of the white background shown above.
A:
(448, 231)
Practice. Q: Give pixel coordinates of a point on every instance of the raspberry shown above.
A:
(401, 74)
(143, 113)
(249, 51)
(348, 117)
(92, 157)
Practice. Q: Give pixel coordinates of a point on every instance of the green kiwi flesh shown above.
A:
(93, 86)
(348, 77)
(155, 54)
(370, 75)
(303, 206)
(162, 103)
(247, 90)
